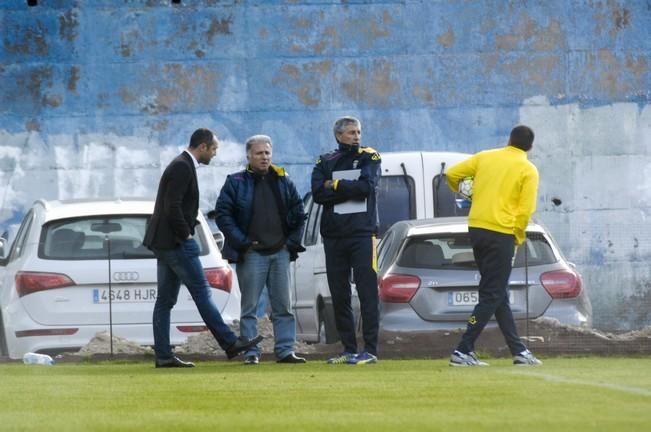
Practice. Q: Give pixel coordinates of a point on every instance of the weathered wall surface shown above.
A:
(96, 96)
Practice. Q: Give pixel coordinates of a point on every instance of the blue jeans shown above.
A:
(253, 273)
(177, 265)
(261, 311)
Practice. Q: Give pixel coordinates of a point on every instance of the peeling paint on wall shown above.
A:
(68, 25)
(304, 81)
(376, 85)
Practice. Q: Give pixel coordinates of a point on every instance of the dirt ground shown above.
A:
(545, 337)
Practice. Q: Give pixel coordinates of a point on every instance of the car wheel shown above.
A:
(327, 329)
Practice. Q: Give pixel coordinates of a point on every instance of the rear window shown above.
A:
(454, 252)
(395, 201)
(90, 238)
(446, 202)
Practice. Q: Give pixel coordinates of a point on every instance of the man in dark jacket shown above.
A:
(344, 181)
(262, 218)
(169, 236)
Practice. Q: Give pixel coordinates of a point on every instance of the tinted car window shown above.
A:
(395, 201)
(453, 251)
(86, 238)
(446, 202)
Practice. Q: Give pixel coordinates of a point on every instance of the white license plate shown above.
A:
(124, 295)
(467, 298)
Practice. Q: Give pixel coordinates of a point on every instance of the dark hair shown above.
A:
(522, 137)
(201, 136)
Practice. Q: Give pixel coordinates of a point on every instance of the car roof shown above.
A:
(457, 224)
(63, 209)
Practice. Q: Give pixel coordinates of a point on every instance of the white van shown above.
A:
(412, 186)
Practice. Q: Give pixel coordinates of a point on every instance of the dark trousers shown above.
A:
(357, 253)
(494, 254)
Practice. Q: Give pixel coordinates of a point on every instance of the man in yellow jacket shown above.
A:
(505, 185)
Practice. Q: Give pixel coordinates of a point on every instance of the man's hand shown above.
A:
(254, 245)
(329, 184)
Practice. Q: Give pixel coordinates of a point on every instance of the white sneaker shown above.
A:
(459, 359)
(526, 358)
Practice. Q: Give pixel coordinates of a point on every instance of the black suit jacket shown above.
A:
(177, 205)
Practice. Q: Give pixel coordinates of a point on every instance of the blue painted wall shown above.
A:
(96, 97)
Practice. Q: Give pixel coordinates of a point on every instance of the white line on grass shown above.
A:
(560, 379)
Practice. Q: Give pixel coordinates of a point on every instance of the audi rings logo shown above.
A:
(128, 276)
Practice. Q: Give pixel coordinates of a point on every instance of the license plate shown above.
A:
(124, 295)
(467, 298)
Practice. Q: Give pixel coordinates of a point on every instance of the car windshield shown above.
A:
(92, 238)
(453, 251)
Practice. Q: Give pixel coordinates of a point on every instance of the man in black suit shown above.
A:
(169, 236)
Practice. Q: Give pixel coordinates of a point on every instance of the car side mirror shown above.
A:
(219, 239)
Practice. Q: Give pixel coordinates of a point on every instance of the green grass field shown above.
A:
(565, 394)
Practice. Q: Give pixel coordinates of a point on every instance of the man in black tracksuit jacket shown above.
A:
(349, 239)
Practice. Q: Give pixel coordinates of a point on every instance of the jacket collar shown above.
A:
(516, 150)
(194, 160)
(348, 148)
(278, 170)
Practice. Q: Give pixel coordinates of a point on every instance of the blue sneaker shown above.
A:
(342, 358)
(363, 358)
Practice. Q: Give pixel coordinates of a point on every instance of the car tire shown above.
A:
(327, 329)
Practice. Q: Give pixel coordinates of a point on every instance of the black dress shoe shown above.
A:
(292, 358)
(241, 345)
(174, 362)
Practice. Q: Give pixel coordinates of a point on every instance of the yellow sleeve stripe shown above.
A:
(374, 240)
(335, 184)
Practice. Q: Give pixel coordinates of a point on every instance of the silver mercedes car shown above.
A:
(428, 278)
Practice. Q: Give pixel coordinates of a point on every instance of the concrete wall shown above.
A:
(96, 96)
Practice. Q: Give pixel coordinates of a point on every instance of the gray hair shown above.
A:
(258, 139)
(342, 122)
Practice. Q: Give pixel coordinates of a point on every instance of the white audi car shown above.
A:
(76, 267)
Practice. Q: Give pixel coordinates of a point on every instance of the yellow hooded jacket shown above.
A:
(504, 189)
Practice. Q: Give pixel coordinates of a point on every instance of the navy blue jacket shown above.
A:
(234, 209)
(347, 157)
